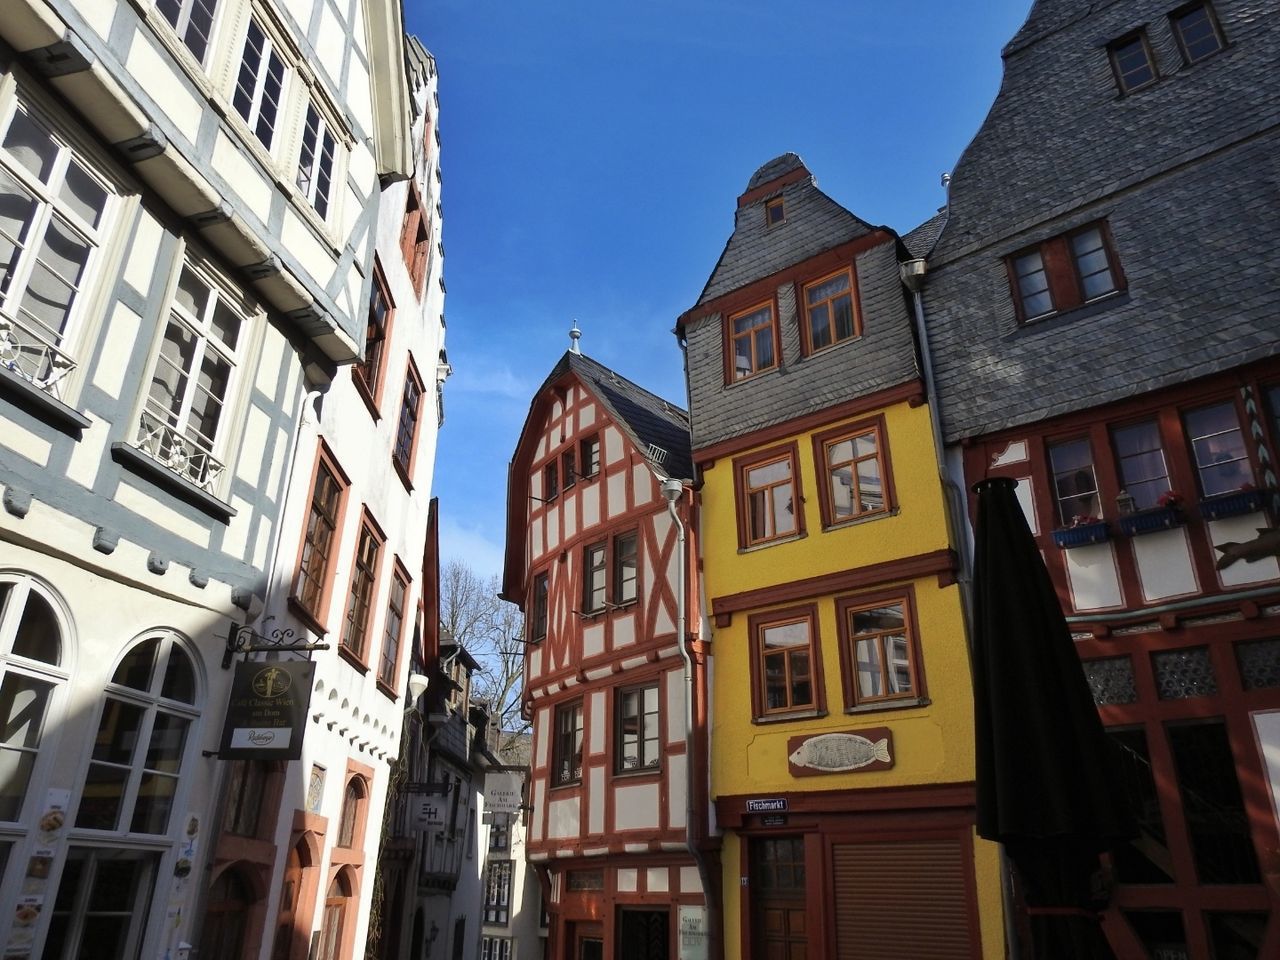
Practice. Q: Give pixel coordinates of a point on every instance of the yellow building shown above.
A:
(842, 723)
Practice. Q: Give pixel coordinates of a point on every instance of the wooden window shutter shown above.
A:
(903, 899)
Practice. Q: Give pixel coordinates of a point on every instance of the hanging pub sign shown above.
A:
(267, 713)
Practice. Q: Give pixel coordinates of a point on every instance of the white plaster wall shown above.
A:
(1092, 574)
(563, 819)
(1241, 530)
(1164, 564)
(636, 807)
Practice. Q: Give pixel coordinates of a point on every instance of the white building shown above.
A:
(190, 195)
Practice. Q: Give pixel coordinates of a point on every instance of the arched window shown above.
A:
(335, 912)
(229, 900)
(352, 807)
(31, 663)
(142, 739)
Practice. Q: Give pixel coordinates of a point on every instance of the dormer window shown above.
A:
(1197, 30)
(1132, 61)
(775, 212)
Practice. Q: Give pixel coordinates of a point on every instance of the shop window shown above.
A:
(142, 740)
(102, 904)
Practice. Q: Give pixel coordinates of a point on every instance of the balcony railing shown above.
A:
(172, 449)
(30, 356)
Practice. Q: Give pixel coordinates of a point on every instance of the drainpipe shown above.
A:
(672, 490)
(913, 274)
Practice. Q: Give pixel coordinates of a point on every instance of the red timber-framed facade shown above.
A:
(618, 826)
(1179, 635)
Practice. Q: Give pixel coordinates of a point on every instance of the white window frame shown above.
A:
(57, 675)
(152, 703)
(183, 25)
(270, 49)
(48, 360)
(168, 441)
(311, 169)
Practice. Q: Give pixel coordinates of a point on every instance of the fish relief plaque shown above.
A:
(847, 751)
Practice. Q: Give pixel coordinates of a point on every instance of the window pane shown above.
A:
(23, 704)
(867, 657)
(1074, 481)
(179, 677)
(85, 197)
(117, 732)
(1218, 444)
(1145, 859)
(154, 803)
(17, 210)
(168, 737)
(136, 666)
(1142, 465)
(787, 635)
(29, 143)
(38, 636)
(102, 797)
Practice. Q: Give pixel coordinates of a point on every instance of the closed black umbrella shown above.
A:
(1046, 781)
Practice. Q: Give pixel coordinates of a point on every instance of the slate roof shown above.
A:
(647, 419)
(814, 223)
(1181, 171)
(921, 241)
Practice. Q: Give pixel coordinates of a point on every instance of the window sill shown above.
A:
(754, 375)
(366, 394)
(309, 619)
(863, 518)
(133, 459)
(39, 404)
(880, 706)
(831, 346)
(352, 658)
(386, 691)
(567, 785)
(640, 773)
(766, 544)
(1086, 310)
(787, 717)
(402, 473)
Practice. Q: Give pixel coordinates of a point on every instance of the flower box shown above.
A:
(1233, 504)
(1149, 521)
(1082, 534)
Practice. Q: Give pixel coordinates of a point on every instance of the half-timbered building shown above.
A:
(1105, 333)
(600, 541)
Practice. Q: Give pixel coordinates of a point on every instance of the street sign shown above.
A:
(772, 805)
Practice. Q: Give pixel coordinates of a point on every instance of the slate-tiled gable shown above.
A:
(1183, 172)
(883, 356)
(814, 223)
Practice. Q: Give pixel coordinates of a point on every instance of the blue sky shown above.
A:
(592, 152)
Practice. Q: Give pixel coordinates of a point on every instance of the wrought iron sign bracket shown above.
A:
(244, 639)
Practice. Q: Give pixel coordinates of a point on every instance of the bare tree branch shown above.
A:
(490, 629)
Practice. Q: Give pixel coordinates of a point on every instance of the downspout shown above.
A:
(913, 275)
(672, 490)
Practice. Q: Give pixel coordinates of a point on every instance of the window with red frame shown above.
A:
(829, 311)
(566, 760)
(393, 629)
(315, 564)
(785, 661)
(415, 239)
(349, 822)
(364, 577)
(752, 339)
(1064, 272)
(768, 499)
(407, 426)
(879, 653)
(376, 332)
(857, 474)
(1075, 483)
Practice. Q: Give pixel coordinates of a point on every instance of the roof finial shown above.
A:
(574, 336)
